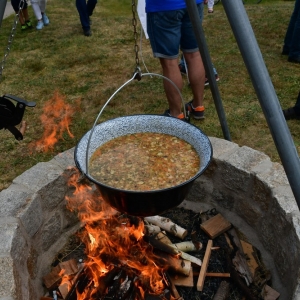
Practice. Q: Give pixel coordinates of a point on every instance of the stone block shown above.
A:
(65, 159)
(7, 286)
(13, 200)
(32, 216)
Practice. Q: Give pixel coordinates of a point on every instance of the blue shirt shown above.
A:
(164, 5)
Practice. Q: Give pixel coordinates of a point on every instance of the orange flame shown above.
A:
(114, 243)
(56, 119)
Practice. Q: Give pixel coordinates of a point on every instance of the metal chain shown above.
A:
(10, 39)
(136, 47)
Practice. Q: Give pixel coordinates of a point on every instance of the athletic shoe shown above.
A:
(45, 19)
(216, 76)
(196, 112)
(29, 24)
(40, 25)
(290, 114)
(180, 117)
(182, 68)
(23, 27)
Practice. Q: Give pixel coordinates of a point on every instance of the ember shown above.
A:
(128, 257)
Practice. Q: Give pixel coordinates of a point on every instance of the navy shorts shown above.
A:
(170, 31)
(17, 4)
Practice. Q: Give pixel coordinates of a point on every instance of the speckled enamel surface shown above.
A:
(111, 129)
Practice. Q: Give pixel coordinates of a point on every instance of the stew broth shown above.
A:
(144, 162)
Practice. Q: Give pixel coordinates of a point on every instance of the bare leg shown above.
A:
(171, 71)
(196, 76)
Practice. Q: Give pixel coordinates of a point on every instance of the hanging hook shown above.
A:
(138, 73)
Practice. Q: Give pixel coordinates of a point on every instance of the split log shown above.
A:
(162, 237)
(203, 270)
(269, 294)
(173, 264)
(172, 287)
(167, 225)
(171, 250)
(215, 226)
(222, 291)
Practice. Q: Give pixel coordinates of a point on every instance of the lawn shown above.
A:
(83, 72)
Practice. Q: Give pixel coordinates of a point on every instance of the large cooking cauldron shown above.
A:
(139, 203)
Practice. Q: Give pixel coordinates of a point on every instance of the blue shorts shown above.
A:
(16, 4)
(170, 31)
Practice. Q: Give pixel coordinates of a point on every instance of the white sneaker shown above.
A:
(40, 25)
(45, 19)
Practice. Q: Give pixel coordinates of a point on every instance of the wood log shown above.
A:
(222, 291)
(187, 246)
(171, 250)
(215, 226)
(152, 229)
(162, 237)
(167, 225)
(204, 266)
(173, 264)
(52, 279)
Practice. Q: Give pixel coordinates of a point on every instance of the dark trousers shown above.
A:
(292, 37)
(297, 106)
(85, 10)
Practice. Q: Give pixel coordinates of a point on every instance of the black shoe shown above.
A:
(290, 114)
(294, 60)
(180, 117)
(87, 32)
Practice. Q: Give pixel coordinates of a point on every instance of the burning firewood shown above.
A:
(152, 229)
(167, 225)
(174, 251)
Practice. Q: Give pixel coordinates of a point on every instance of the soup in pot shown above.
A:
(144, 162)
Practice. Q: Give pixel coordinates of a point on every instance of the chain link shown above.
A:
(136, 47)
(10, 40)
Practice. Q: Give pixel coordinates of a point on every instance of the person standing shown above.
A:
(291, 45)
(170, 29)
(85, 10)
(21, 8)
(39, 9)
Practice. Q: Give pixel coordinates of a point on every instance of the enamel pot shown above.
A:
(143, 203)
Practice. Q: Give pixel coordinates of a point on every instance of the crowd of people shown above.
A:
(170, 32)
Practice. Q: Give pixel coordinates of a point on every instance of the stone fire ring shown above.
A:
(243, 184)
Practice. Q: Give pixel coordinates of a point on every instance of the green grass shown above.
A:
(89, 70)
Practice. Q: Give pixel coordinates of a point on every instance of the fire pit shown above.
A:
(243, 184)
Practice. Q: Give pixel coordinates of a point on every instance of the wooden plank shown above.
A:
(204, 266)
(215, 226)
(225, 275)
(181, 280)
(251, 261)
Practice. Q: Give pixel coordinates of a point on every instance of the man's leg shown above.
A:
(171, 71)
(196, 76)
(91, 4)
(83, 14)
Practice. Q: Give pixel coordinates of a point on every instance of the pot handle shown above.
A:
(121, 87)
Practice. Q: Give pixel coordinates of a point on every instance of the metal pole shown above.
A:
(2, 10)
(265, 92)
(198, 30)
